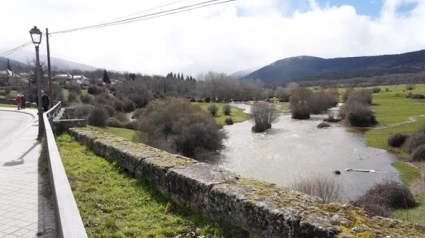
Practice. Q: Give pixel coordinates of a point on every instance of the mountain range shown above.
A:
(57, 64)
(313, 68)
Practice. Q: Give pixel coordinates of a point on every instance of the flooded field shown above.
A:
(294, 149)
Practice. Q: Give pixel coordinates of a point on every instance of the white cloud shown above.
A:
(227, 38)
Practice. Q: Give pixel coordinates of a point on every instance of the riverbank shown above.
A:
(398, 114)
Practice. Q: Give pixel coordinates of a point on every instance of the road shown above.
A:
(11, 123)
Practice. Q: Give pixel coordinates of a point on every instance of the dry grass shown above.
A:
(321, 186)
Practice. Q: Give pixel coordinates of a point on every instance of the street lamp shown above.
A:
(36, 36)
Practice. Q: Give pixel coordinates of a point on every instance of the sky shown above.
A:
(225, 38)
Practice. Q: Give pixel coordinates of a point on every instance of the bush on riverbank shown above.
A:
(418, 154)
(415, 140)
(358, 114)
(174, 125)
(397, 139)
(356, 111)
(305, 102)
(382, 198)
(229, 121)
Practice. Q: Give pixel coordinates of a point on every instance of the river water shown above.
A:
(294, 149)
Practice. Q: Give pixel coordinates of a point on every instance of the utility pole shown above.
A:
(49, 69)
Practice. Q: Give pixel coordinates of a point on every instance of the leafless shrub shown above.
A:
(384, 197)
(414, 141)
(114, 122)
(321, 186)
(213, 109)
(226, 109)
(357, 114)
(362, 96)
(418, 154)
(410, 86)
(299, 103)
(95, 90)
(81, 111)
(73, 97)
(376, 90)
(98, 117)
(397, 139)
(417, 96)
(75, 88)
(321, 101)
(229, 121)
(122, 117)
(87, 98)
(137, 113)
(173, 124)
(263, 115)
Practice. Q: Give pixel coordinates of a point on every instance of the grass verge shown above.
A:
(113, 204)
(408, 174)
(236, 114)
(8, 105)
(121, 132)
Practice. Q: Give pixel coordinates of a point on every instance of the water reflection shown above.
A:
(293, 149)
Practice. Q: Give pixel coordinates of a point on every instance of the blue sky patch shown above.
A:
(363, 7)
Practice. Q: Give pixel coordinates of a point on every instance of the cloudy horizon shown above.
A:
(226, 38)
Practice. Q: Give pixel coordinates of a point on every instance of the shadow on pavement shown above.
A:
(20, 160)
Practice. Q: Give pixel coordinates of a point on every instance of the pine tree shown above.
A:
(182, 77)
(132, 76)
(178, 76)
(106, 79)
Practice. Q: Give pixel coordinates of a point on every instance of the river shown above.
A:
(294, 149)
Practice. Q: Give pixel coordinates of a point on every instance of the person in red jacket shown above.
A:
(18, 101)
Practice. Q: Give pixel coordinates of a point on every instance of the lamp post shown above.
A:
(36, 36)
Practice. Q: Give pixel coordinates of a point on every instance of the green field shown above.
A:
(114, 204)
(398, 114)
(236, 114)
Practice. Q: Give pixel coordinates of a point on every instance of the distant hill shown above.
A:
(312, 68)
(243, 73)
(13, 63)
(59, 64)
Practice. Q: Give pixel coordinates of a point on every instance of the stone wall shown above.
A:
(262, 209)
(63, 123)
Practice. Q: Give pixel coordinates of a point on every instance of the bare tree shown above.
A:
(263, 115)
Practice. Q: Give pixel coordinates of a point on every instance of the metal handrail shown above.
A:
(68, 222)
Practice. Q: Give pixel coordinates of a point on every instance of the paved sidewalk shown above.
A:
(25, 204)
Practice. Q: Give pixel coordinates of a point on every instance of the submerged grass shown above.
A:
(113, 204)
